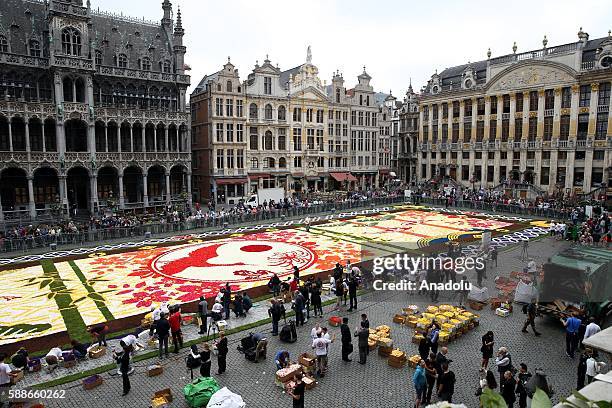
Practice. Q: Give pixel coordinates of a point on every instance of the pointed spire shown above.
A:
(179, 21)
(167, 8)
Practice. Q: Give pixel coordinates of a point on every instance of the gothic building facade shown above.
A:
(92, 110)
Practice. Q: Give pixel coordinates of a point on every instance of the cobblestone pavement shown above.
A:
(351, 384)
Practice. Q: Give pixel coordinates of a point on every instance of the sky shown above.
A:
(397, 41)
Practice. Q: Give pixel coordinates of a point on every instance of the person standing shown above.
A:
(339, 292)
(162, 329)
(582, 368)
(222, 353)
(5, 369)
(227, 300)
(572, 325)
(424, 348)
(275, 285)
(481, 271)
(315, 299)
(175, 329)
(364, 321)
(446, 384)
(276, 311)
(521, 385)
(155, 315)
(503, 361)
(205, 359)
(297, 392)
(431, 375)
(507, 388)
(420, 384)
(299, 304)
(320, 346)
(525, 252)
(124, 367)
(362, 335)
(346, 339)
(353, 283)
(203, 313)
(591, 329)
(487, 349)
(432, 337)
(494, 256)
(441, 360)
(531, 310)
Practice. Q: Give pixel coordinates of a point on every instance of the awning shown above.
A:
(392, 174)
(223, 181)
(343, 177)
(258, 175)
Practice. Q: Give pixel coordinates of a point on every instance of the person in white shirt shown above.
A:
(315, 331)
(591, 329)
(155, 315)
(5, 369)
(54, 356)
(320, 346)
(593, 367)
(217, 311)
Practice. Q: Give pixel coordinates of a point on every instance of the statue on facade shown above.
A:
(308, 55)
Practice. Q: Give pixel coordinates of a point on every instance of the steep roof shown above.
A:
(285, 75)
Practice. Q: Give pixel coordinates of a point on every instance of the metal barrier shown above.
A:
(93, 235)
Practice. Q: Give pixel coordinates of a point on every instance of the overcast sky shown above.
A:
(395, 40)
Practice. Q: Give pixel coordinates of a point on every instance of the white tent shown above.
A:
(224, 398)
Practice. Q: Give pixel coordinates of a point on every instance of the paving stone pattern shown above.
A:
(351, 384)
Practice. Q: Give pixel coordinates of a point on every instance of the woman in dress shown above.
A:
(487, 348)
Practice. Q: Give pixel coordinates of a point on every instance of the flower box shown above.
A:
(92, 382)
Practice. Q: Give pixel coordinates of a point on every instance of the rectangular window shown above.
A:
(239, 108)
(533, 129)
(253, 139)
(566, 97)
(455, 133)
(545, 176)
(240, 159)
(467, 107)
(220, 159)
(519, 101)
(598, 154)
(219, 132)
(518, 129)
(229, 107)
(506, 103)
(434, 134)
(585, 96)
(549, 99)
(344, 130)
(444, 133)
(564, 127)
(479, 131)
(239, 132)
(309, 115)
(330, 129)
(480, 106)
(267, 86)
(320, 116)
(360, 121)
(229, 132)
(493, 104)
(434, 112)
(297, 139)
(297, 114)
(601, 127)
(492, 130)
(425, 113)
(548, 128)
(282, 139)
(445, 110)
(310, 138)
(230, 158)
(330, 114)
(505, 131)
(219, 106)
(465, 172)
(603, 98)
(353, 118)
(467, 132)
(425, 134)
(533, 101)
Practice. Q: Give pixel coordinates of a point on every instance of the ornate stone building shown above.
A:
(92, 110)
(282, 129)
(538, 120)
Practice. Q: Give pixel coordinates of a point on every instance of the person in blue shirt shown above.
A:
(281, 359)
(572, 325)
(420, 383)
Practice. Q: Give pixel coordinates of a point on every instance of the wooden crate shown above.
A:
(165, 393)
(154, 370)
(476, 305)
(16, 376)
(309, 382)
(398, 319)
(396, 363)
(97, 351)
(307, 360)
(384, 351)
(92, 382)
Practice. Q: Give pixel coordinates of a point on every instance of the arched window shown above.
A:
(167, 66)
(122, 61)
(282, 113)
(71, 41)
(282, 163)
(268, 112)
(253, 111)
(153, 98)
(34, 48)
(254, 163)
(165, 99)
(228, 86)
(131, 96)
(219, 87)
(145, 64)
(3, 44)
(98, 57)
(268, 140)
(268, 163)
(79, 88)
(119, 94)
(68, 90)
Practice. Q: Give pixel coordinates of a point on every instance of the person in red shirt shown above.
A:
(175, 329)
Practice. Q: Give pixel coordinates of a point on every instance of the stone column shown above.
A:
(569, 169)
(131, 138)
(588, 170)
(512, 118)
(119, 137)
(189, 195)
(121, 198)
(27, 134)
(93, 186)
(32, 204)
(145, 196)
(166, 149)
(42, 128)
(142, 135)
(592, 117)
(474, 118)
(155, 140)
(10, 129)
(168, 197)
(105, 137)
(63, 191)
(574, 115)
(540, 131)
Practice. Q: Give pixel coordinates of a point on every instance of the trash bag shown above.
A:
(199, 392)
(524, 292)
(479, 294)
(224, 398)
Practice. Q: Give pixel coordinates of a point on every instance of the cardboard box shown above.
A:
(398, 319)
(385, 342)
(159, 402)
(309, 382)
(396, 363)
(502, 312)
(97, 351)
(92, 382)
(384, 351)
(307, 360)
(16, 376)
(286, 374)
(474, 305)
(34, 365)
(154, 370)
(165, 393)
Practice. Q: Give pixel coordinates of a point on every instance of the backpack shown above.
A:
(199, 392)
(288, 333)
(192, 362)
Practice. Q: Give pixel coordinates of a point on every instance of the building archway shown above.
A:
(173, 139)
(108, 184)
(78, 192)
(178, 180)
(14, 189)
(156, 184)
(132, 185)
(76, 135)
(46, 187)
(18, 133)
(35, 132)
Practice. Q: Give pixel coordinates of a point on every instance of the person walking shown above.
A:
(346, 339)
(222, 350)
(494, 256)
(362, 334)
(431, 375)
(299, 303)
(531, 310)
(203, 314)
(353, 283)
(508, 388)
(446, 384)
(162, 329)
(320, 345)
(420, 384)
(276, 311)
(124, 367)
(525, 250)
(175, 329)
(572, 325)
(503, 361)
(487, 349)
(521, 385)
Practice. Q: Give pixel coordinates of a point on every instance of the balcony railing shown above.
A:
(139, 74)
(549, 112)
(505, 116)
(587, 65)
(21, 60)
(467, 119)
(603, 108)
